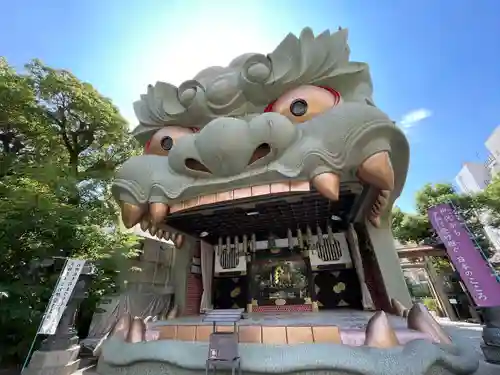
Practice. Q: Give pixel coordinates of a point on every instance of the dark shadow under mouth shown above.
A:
(257, 215)
(260, 152)
(195, 165)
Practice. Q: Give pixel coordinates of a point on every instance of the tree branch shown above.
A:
(64, 135)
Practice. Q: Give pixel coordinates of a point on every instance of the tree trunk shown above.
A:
(73, 164)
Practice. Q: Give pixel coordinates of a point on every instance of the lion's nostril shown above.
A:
(263, 150)
(195, 165)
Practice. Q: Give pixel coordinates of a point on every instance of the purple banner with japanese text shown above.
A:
(475, 271)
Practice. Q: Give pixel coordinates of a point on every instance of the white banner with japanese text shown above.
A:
(60, 296)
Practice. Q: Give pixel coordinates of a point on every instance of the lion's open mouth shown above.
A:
(257, 211)
(261, 209)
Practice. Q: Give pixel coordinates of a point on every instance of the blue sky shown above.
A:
(437, 61)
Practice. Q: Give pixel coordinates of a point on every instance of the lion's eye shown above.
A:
(164, 139)
(298, 107)
(166, 143)
(305, 102)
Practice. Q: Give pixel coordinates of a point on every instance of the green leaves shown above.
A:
(60, 143)
(490, 200)
(412, 228)
(415, 228)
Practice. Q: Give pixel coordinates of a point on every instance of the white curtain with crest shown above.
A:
(207, 274)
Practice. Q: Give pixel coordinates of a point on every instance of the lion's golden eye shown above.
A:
(164, 139)
(305, 102)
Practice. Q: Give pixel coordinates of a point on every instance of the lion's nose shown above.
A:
(224, 146)
(229, 146)
(260, 152)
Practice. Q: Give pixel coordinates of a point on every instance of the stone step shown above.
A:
(67, 369)
(53, 358)
(86, 370)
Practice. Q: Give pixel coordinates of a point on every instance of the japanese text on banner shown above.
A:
(448, 229)
(476, 273)
(60, 296)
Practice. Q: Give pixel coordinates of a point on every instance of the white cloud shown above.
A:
(411, 118)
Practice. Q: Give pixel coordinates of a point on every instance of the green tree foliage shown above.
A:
(61, 142)
(431, 304)
(410, 228)
(18, 121)
(416, 228)
(490, 199)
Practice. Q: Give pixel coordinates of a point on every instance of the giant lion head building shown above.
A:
(275, 176)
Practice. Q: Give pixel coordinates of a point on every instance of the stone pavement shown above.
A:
(469, 334)
(464, 332)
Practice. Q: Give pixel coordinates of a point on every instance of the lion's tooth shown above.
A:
(137, 331)
(158, 212)
(379, 333)
(328, 185)
(144, 224)
(377, 171)
(374, 220)
(131, 214)
(383, 198)
(420, 319)
(385, 194)
(179, 240)
(398, 307)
